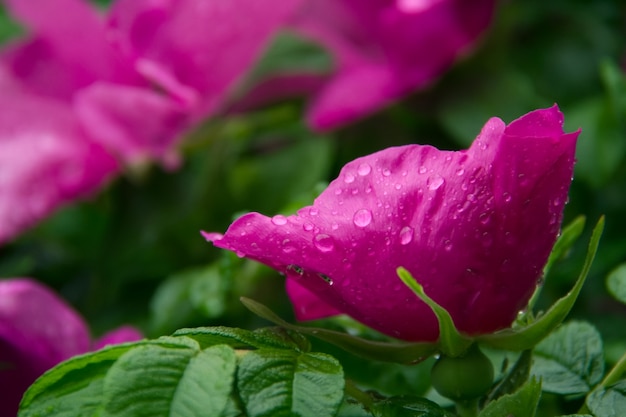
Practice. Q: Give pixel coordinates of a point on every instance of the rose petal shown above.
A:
(37, 331)
(411, 44)
(307, 305)
(45, 161)
(67, 52)
(474, 227)
(134, 123)
(205, 46)
(120, 335)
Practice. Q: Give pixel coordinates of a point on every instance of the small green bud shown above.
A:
(463, 378)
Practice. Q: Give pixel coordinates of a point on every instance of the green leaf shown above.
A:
(608, 402)
(408, 406)
(218, 335)
(73, 387)
(288, 383)
(527, 337)
(157, 380)
(451, 342)
(515, 378)
(569, 236)
(522, 403)
(570, 361)
(381, 351)
(274, 337)
(616, 283)
(351, 409)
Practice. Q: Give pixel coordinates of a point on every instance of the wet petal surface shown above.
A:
(474, 227)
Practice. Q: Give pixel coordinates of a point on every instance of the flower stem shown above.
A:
(467, 408)
(359, 395)
(615, 374)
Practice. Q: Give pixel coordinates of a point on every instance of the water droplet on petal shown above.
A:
(338, 191)
(507, 197)
(362, 217)
(487, 239)
(406, 235)
(364, 169)
(422, 170)
(462, 207)
(287, 246)
(240, 254)
(460, 172)
(334, 226)
(313, 211)
(323, 242)
(484, 218)
(279, 220)
(348, 178)
(307, 227)
(386, 172)
(447, 245)
(398, 186)
(434, 182)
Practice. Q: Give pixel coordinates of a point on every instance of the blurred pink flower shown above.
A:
(383, 50)
(37, 331)
(474, 227)
(85, 86)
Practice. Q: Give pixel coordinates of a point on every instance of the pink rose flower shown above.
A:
(474, 227)
(383, 50)
(37, 331)
(46, 160)
(84, 87)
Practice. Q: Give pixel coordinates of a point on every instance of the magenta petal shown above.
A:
(66, 52)
(37, 331)
(474, 227)
(337, 104)
(307, 305)
(45, 161)
(134, 123)
(412, 43)
(205, 46)
(120, 335)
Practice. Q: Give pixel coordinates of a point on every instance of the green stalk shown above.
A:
(355, 392)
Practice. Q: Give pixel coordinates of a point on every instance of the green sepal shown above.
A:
(451, 343)
(380, 351)
(569, 236)
(514, 379)
(527, 337)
